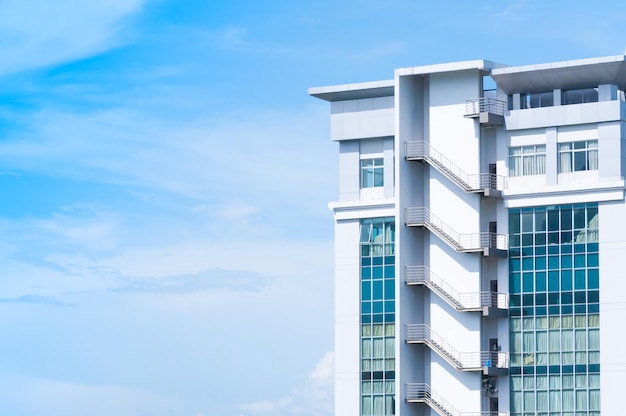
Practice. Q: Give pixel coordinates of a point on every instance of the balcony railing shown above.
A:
(476, 242)
(422, 393)
(463, 361)
(420, 150)
(484, 105)
(416, 275)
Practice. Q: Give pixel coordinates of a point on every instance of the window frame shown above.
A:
(536, 99)
(534, 152)
(571, 156)
(372, 172)
(580, 96)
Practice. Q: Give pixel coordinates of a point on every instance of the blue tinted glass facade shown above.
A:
(378, 315)
(554, 311)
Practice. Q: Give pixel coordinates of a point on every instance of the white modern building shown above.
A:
(480, 236)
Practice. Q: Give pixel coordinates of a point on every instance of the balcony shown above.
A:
(489, 111)
(487, 184)
(489, 362)
(489, 244)
(491, 304)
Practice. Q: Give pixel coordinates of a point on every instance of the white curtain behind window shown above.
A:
(565, 157)
(515, 161)
(592, 154)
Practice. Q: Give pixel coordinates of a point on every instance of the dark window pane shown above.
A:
(514, 265)
(390, 289)
(566, 280)
(540, 281)
(377, 289)
(566, 262)
(553, 262)
(580, 161)
(553, 281)
(566, 218)
(390, 271)
(553, 298)
(540, 239)
(528, 282)
(566, 298)
(540, 263)
(366, 290)
(540, 221)
(579, 279)
(540, 299)
(527, 222)
(378, 272)
(527, 263)
(594, 278)
(553, 220)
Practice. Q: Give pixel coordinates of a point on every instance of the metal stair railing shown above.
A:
(423, 393)
(421, 150)
(460, 301)
(462, 361)
(422, 217)
(484, 105)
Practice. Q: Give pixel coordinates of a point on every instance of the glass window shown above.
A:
(585, 95)
(372, 173)
(578, 156)
(378, 306)
(527, 160)
(556, 329)
(537, 99)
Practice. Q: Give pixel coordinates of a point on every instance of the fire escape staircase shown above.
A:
(489, 303)
(489, 362)
(487, 184)
(487, 243)
(422, 393)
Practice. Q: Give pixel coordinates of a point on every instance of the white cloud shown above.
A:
(325, 368)
(315, 398)
(41, 32)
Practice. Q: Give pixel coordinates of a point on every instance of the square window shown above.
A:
(372, 173)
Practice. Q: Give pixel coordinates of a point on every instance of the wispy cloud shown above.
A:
(35, 299)
(206, 280)
(40, 32)
(230, 37)
(512, 10)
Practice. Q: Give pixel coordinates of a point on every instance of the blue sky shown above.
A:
(165, 241)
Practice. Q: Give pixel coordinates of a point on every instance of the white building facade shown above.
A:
(479, 236)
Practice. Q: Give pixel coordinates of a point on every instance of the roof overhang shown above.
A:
(582, 73)
(482, 65)
(354, 91)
